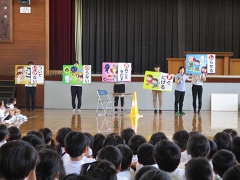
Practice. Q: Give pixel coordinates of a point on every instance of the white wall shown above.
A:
(58, 96)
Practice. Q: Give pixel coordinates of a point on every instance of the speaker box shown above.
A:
(24, 2)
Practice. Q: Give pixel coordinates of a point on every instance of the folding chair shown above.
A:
(105, 101)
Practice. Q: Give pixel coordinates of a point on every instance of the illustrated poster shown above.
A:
(200, 63)
(28, 74)
(80, 74)
(116, 72)
(158, 81)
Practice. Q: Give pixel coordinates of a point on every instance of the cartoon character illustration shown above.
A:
(155, 83)
(204, 70)
(190, 62)
(68, 79)
(80, 78)
(149, 79)
(73, 69)
(107, 67)
(197, 65)
(20, 77)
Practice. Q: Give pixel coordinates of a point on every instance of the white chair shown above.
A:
(105, 101)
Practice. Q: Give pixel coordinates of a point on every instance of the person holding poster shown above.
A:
(180, 80)
(156, 94)
(119, 87)
(76, 90)
(30, 89)
(197, 89)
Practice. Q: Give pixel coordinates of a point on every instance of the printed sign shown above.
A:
(116, 72)
(199, 63)
(80, 74)
(29, 74)
(158, 81)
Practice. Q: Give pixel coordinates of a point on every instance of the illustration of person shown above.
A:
(197, 65)
(107, 67)
(80, 78)
(204, 70)
(149, 79)
(20, 77)
(190, 63)
(155, 83)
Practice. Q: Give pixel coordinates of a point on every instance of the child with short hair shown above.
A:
(75, 145)
(4, 134)
(167, 155)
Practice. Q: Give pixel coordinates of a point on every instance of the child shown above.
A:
(198, 169)
(167, 155)
(4, 134)
(1, 111)
(75, 145)
(15, 111)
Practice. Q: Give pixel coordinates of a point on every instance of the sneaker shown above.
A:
(79, 111)
(160, 111)
(182, 113)
(155, 111)
(176, 113)
(199, 111)
(74, 111)
(116, 110)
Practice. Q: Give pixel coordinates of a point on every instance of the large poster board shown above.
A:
(200, 63)
(29, 74)
(80, 74)
(116, 72)
(158, 81)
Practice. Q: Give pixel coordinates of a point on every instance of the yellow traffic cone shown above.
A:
(134, 108)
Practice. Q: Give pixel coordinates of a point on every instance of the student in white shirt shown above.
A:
(113, 155)
(167, 155)
(1, 111)
(126, 161)
(75, 145)
(4, 134)
(198, 168)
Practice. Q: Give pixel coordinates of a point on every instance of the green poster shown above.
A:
(72, 74)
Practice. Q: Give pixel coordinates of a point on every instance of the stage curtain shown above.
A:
(143, 32)
(62, 33)
(78, 30)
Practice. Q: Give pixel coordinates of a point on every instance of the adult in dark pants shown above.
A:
(119, 87)
(76, 91)
(180, 80)
(197, 89)
(30, 89)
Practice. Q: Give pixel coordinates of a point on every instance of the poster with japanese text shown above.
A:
(116, 72)
(200, 63)
(80, 74)
(37, 74)
(158, 81)
(27, 74)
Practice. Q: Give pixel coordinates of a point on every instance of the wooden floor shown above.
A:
(209, 123)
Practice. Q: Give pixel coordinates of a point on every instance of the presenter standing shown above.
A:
(30, 89)
(197, 89)
(180, 80)
(76, 91)
(156, 94)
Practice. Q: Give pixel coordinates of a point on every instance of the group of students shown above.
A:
(128, 156)
(9, 113)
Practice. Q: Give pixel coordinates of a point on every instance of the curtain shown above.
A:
(143, 32)
(78, 30)
(210, 26)
(62, 33)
